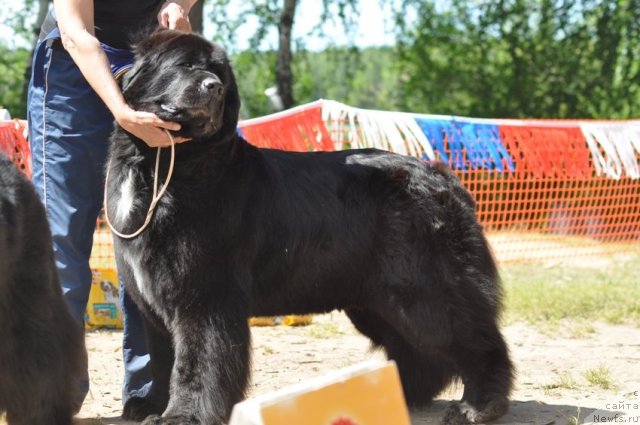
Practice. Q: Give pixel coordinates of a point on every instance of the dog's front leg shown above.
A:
(212, 365)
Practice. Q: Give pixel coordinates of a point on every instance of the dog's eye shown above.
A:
(187, 65)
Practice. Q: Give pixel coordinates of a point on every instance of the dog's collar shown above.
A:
(119, 72)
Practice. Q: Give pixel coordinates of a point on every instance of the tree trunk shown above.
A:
(195, 16)
(284, 76)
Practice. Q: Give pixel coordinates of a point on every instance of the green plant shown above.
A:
(601, 377)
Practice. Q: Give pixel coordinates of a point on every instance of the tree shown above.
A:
(227, 16)
(12, 66)
(503, 58)
(284, 75)
(523, 58)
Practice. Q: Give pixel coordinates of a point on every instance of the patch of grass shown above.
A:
(567, 381)
(601, 377)
(581, 329)
(324, 330)
(573, 420)
(564, 382)
(536, 293)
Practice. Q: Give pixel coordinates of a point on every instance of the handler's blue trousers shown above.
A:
(69, 128)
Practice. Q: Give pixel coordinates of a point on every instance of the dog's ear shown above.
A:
(137, 37)
(143, 43)
(231, 105)
(149, 38)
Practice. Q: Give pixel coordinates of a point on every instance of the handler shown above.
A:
(73, 99)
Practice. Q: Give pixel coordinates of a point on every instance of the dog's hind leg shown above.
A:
(212, 363)
(478, 348)
(468, 337)
(487, 373)
(423, 374)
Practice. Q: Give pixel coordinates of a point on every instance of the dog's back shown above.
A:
(42, 349)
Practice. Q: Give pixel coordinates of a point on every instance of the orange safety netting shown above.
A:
(14, 144)
(539, 194)
(540, 218)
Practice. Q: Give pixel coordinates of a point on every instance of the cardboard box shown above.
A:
(365, 394)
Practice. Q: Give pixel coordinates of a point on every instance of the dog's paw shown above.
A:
(464, 414)
(169, 420)
(456, 415)
(138, 408)
(152, 420)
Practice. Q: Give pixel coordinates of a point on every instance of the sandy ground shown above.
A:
(551, 384)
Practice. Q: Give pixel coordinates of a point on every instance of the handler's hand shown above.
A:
(148, 127)
(175, 15)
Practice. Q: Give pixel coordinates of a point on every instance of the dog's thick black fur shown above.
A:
(243, 231)
(42, 353)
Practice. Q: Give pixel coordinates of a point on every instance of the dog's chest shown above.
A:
(144, 279)
(126, 199)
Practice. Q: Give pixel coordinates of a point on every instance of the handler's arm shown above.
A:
(75, 20)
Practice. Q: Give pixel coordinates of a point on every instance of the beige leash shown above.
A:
(154, 198)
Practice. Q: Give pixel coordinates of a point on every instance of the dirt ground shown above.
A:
(551, 388)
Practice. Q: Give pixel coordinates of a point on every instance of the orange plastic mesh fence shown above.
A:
(14, 144)
(554, 204)
(544, 218)
(539, 194)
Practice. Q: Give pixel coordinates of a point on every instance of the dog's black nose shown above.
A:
(213, 86)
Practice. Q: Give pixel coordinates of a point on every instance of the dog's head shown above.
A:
(184, 78)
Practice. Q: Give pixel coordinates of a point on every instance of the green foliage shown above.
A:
(600, 377)
(522, 58)
(13, 63)
(363, 78)
(509, 58)
(255, 72)
(513, 58)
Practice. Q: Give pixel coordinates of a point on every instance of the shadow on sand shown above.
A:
(520, 412)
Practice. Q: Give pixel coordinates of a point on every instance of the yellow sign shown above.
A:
(364, 394)
(103, 309)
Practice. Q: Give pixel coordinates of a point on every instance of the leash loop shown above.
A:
(155, 198)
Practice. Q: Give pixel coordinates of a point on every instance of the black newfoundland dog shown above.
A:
(243, 231)
(42, 352)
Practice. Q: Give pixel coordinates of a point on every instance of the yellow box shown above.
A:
(291, 320)
(103, 308)
(365, 394)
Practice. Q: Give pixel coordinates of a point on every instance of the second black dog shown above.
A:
(42, 352)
